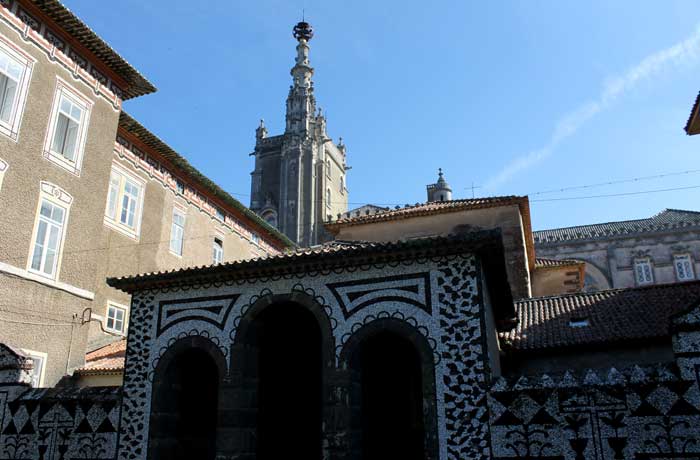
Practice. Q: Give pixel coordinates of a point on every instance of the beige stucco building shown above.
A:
(442, 216)
(87, 192)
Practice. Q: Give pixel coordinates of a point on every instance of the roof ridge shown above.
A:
(607, 291)
(593, 225)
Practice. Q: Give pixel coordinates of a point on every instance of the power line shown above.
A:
(540, 192)
(609, 195)
(615, 182)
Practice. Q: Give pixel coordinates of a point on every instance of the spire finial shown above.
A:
(440, 172)
(303, 31)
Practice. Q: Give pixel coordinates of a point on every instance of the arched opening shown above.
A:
(184, 407)
(282, 378)
(392, 393)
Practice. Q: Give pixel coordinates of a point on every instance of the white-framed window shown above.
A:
(219, 213)
(328, 198)
(643, 271)
(217, 251)
(683, 264)
(124, 202)
(15, 75)
(3, 168)
(328, 168)
(49, 231)
(116, 319)
(65, 139)
(39, 366)
(342, 185)
(177, 232)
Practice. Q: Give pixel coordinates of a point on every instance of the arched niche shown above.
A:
(595, 279)
(391, 392)
(184, 404)
(281, 359)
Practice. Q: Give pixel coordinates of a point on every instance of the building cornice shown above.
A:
(146, 151)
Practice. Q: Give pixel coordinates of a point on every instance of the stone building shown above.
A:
(87, 192)
(664, 248)
(299, 177)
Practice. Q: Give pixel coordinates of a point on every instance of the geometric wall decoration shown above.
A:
(413, 289)
(213, 310)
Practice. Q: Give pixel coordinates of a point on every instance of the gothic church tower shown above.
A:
(299, 177)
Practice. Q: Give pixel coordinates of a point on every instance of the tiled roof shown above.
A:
(487, 244)
(72, 25)
(130, 125)
(440, 207)
(425, 209)
(334, 253)
(668, 219)
(690, 126)
(108, 359)
(599, 318)
(541, 262)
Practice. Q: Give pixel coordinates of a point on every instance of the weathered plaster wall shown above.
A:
(50, 310)
(614, 256)
(507, 218)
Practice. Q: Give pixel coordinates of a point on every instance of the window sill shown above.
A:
(9, 132)
(71, 167)
(121, 229)
(27, 275)
(115, 331)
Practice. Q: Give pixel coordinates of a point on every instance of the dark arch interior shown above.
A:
(390, 399)
(287, 339)
(184, 412)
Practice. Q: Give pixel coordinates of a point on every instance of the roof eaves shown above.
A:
(689, 128)
(313, 260)
(426, 209)
(136, 129)
(72, 25)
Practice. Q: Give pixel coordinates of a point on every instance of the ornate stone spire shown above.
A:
(301, 104)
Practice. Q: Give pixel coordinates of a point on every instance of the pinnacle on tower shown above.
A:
(439, 191)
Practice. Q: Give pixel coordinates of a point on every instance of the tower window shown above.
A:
(328, 168)
(271, 218)
(342, 184)
(328, 198)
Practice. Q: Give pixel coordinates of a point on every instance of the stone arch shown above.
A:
(298, 327)
(407, 337)
(595, 279)
(184, 400)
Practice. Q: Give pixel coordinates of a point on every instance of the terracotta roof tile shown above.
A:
(668, 219)
(74, 26)
(440, 207)
(109, 358)
(130, 125)
(436, 207)
(689, 128)
(542, 262)
(603, 317)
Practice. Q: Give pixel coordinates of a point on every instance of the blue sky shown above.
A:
(517, 97)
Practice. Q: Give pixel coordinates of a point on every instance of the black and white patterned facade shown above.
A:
(632, 412)
(439, 299)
